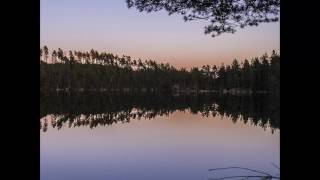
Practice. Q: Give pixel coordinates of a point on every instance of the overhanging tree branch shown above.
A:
(238, 13)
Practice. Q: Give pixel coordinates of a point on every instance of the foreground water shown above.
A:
(137, 142)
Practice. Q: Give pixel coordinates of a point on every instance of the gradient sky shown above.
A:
(108, 25)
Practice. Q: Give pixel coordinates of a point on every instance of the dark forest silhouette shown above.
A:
(100, 109)
(94, 71)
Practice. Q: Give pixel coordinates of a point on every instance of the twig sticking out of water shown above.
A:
(261, 172)
(264, 176)
(275, 165)
(247, 177)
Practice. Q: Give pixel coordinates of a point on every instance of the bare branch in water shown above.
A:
(265, 175)
(261, 172)
(230, 177)
(275, 165)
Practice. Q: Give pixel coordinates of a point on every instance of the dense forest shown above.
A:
(101, 71)
(99, 109)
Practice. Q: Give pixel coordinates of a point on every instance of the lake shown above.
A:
(119, 137)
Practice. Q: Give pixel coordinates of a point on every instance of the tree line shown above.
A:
(101, 71)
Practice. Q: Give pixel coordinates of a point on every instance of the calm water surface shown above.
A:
(162, 144)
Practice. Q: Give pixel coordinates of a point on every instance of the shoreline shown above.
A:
(175, 92)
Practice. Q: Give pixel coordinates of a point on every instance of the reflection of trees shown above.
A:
(101, 109)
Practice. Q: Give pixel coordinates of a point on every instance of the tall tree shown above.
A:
(235, 74)
(214, 72)
(71, 57)
(54, 56)
(60, 54)
(246, 74)
(41, 54)
(46, 53)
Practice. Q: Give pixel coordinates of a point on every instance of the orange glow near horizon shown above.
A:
(109, 26)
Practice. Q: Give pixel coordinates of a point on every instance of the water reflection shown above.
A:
(163, 136)
(92, 110)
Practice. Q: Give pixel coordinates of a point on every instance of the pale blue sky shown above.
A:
(108, 25)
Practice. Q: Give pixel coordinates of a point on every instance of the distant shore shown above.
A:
(233, 91)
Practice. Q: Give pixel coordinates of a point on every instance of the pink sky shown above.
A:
(110, 26)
